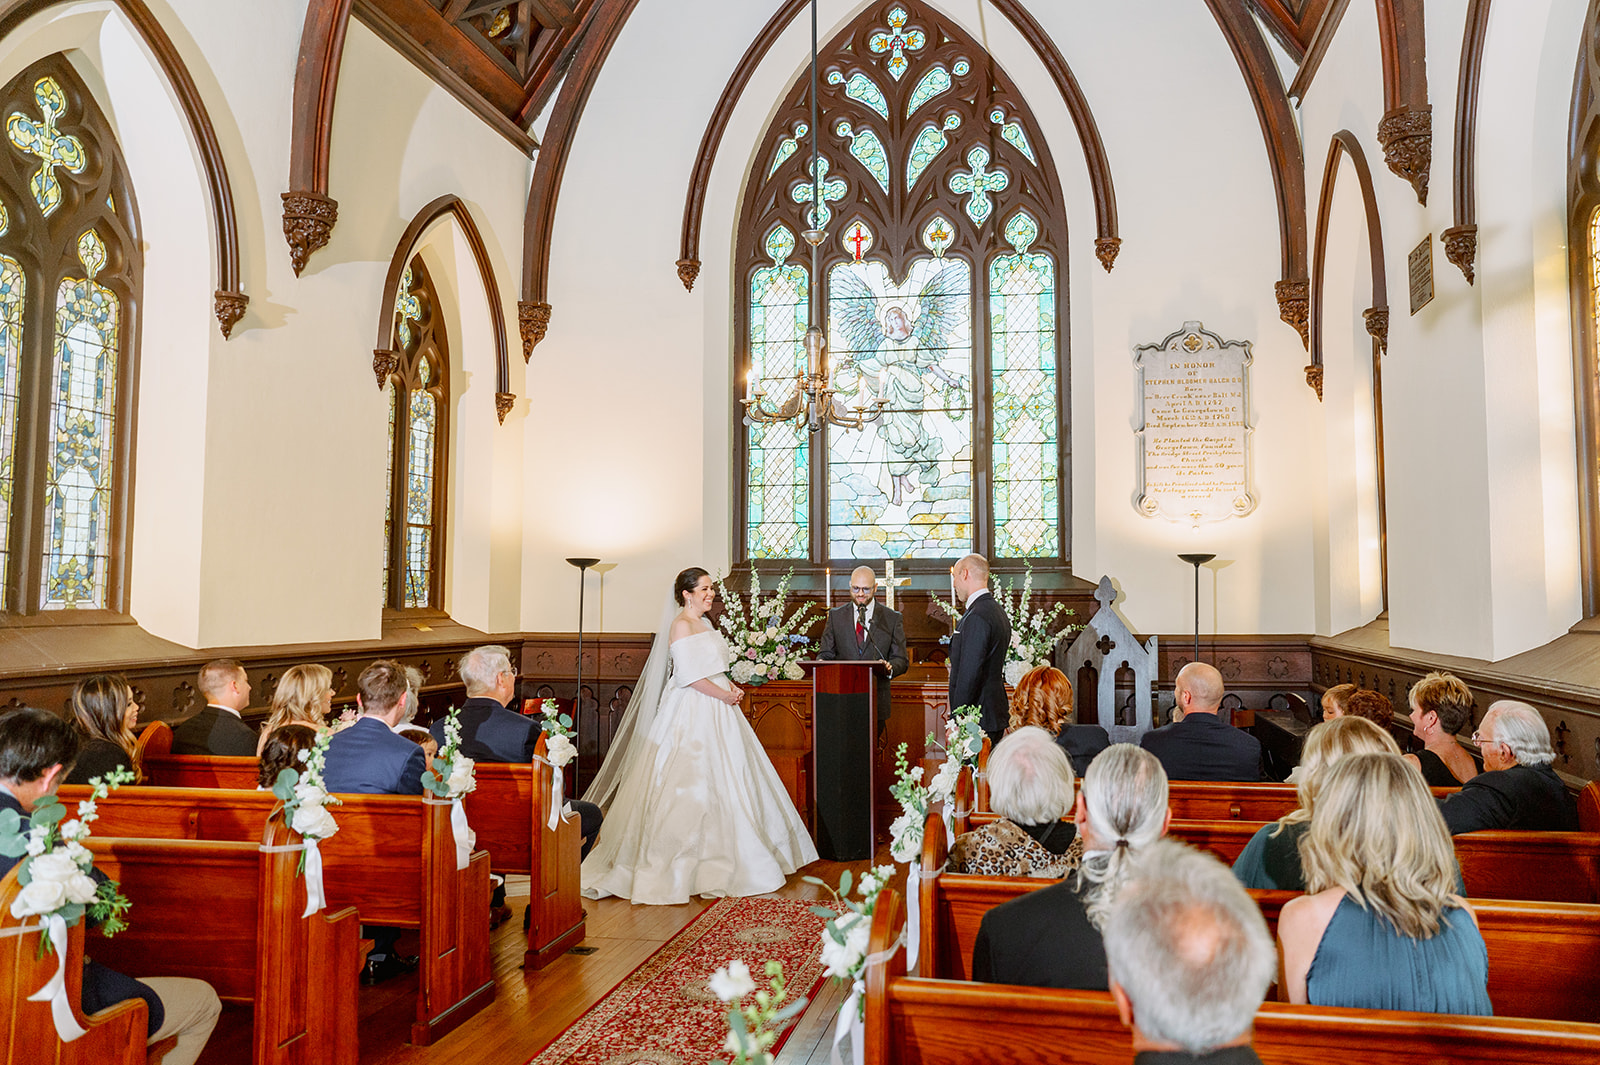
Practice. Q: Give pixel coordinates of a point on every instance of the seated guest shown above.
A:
(1203, 746)
(1383, 926)
(218, 728)
(369, 759)
(1517, 788)
(1334, 698)
(303, 697)
(1030, 787)
(1051, 937)
(105, 713)
(491, 733)
(281, 749)
(1441, 706)
(37, 749)
(1271, 860)
(1043, 698)
(407, 727)
(1374, 706)
(1190, 959)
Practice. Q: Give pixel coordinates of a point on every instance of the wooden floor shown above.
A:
(532, 1008)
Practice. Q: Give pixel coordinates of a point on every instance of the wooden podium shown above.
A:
(844, 700)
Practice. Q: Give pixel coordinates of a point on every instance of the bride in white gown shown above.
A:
(693, 806)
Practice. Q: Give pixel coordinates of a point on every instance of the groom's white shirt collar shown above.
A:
(974, 596)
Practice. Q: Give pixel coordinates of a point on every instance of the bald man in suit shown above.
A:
(864, 630)
(1202, 746)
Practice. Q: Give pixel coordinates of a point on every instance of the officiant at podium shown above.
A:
(864, 630)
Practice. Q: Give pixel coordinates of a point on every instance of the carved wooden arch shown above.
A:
(1344, 144)
(1461, 239)
(1583, 214)
(1107, 242)
(229, 301)
(308, 211)
(384, 358)
(1285, 155)
(533, 310)
(1406, 128)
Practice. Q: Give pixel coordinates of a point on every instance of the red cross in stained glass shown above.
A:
(859, 239)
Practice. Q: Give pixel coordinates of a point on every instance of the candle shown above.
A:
(827, 583)
(749, 386)
(889, 585)
(953, 588)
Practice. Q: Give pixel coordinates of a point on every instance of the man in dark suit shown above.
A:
(1202, 746)
(218, 729)
(37, 750)
(978, 648)
(492, 733)
(1517, 789)
(368, 758)
(864, 630)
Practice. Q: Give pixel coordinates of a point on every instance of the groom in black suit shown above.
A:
(864, 630)
(978, 649)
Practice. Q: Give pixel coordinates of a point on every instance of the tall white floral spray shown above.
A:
(1034, 635)
(905, 841)
(963, 744)
(753, 1026)
(451, 777)
(845, 939)
(305, 809)
(766, 643)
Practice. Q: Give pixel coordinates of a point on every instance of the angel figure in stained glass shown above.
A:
(902, 344)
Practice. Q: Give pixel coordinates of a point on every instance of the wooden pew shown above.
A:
(509, 811)
(115, 1036)
(393, 859)
(917, 1021)
(248, 941)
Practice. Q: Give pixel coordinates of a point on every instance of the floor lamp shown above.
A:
(1196, 560)
(583, 565)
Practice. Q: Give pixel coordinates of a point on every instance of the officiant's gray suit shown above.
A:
(884, 637)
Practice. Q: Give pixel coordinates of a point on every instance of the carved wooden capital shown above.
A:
(1105, 249)
(384, 364)
(1377, 319)
(308, 219)
(1461, 247)
(1406, 134)
(1314, 379)
(502, 404)
(688, 270)
(532, 321)
(229, 308)
(1294, 306)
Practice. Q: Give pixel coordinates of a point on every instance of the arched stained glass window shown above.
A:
(418, 398)
(940, 293)
(69, 276)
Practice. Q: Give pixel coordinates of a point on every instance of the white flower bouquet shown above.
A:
(55, 871)
(845, 939)
(1033, 636)
(305, 799)
(558, 745)
(753, 1028)
(452, 774)
(905, 834)
(766, 643)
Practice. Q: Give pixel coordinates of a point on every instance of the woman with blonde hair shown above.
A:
(303, 697)
(1043, 698)
(1441, 706)
(104, 712)
(1384, 926)
(1271, 860)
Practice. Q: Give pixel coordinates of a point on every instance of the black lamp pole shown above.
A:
(1197, 560)
(577, 699)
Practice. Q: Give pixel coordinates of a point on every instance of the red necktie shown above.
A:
(861, 630)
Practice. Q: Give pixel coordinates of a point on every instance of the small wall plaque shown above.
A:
(1421, 271)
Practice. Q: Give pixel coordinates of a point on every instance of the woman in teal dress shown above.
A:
(1383, 926)
(1271, 860)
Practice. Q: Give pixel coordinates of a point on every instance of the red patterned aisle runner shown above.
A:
(663, 1013)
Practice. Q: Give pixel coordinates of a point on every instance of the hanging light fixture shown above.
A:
(814, 398)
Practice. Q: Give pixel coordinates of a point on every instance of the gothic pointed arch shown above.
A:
(942, 291)
(1583, 249)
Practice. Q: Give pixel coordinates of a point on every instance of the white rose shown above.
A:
(308, 794)
(461, 779)
(841, 959)
(39, 897)
(80, 889)
(732, 983)
(771, 634)
(56, 866)
(560, 750)
(314, 822)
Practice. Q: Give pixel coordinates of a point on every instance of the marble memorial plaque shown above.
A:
(1194, 427)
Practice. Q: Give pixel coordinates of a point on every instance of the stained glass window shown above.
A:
(416, 394)
(920, 303)
(69, 261)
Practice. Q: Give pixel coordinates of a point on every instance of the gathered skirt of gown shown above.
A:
(701, 811)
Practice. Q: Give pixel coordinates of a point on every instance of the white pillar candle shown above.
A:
(888, 596)
(827, 584)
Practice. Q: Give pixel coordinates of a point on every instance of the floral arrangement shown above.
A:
(905, 834)
(451, 776)
(753, 1028)
(558, 731)
(845, 939)
(766, 643)
(55, 874)
(1033, 636)
(305, 800)
(963, 743)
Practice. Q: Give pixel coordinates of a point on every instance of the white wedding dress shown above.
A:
(698, 809)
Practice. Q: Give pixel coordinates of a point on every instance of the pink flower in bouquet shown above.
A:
(751, 654)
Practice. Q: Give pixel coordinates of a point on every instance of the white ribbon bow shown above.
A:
(913, 915)
(458, 827)
(316, 896)
(55, 989)
(557, 796)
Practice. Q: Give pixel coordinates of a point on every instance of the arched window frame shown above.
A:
(98, 197)
(1583, 247)
(897, 217)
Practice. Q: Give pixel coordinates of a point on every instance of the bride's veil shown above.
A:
(630, 739)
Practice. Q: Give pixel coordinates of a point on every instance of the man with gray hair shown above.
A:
(1190, 959)
(1518, 788)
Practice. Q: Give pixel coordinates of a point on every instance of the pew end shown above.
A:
(888, 929)
(558, 921)
(1589, 807)
(154, 739)
(935, 854)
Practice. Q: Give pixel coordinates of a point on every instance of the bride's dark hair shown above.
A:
(686, 582)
